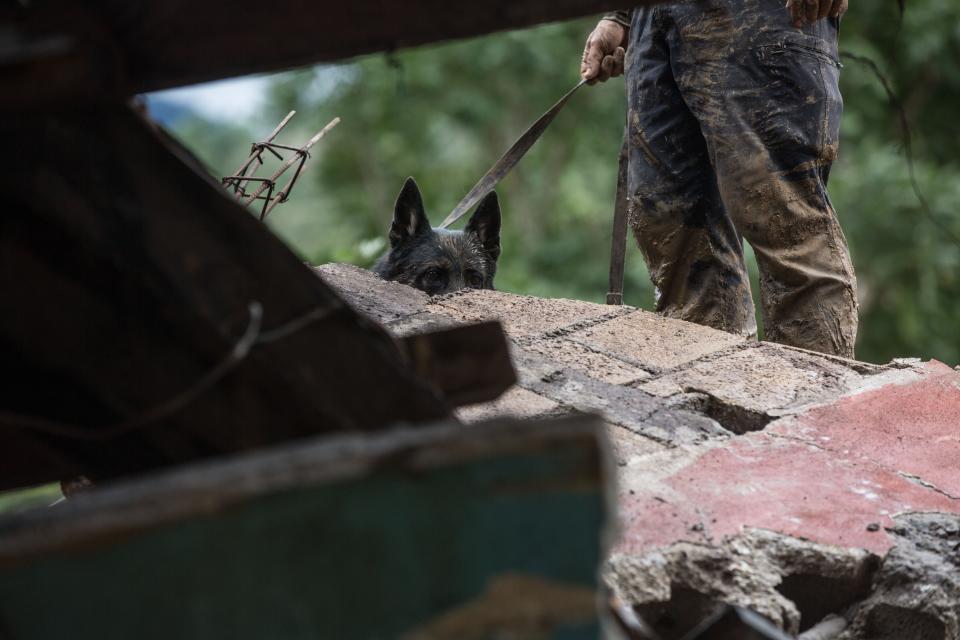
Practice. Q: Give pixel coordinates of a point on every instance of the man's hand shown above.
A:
(809, 11)
(604, 52)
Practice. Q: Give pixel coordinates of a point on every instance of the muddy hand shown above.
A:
(604, 52)
(809, 11)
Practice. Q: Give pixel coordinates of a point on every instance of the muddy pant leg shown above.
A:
(767, 98)
(692, 249)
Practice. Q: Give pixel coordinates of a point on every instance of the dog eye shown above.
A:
(474, 280)
(432, 276)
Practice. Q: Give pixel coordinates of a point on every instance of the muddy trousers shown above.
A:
(733, 123)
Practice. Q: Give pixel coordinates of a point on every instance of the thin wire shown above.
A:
(252, 337)
(907, 142)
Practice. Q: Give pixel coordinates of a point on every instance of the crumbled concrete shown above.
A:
(749, 570)
(521, 315)
(911, 594)
(516, 403)
(916, 592)
(652, 342)
(752, 386)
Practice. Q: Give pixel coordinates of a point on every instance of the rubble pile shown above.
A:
(752, 474)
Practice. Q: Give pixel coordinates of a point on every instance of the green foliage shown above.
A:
(445, 113)
(908, 268)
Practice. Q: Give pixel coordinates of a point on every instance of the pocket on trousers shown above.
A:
(798, 79)
(769, 53)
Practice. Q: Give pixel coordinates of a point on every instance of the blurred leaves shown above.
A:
(445, 113)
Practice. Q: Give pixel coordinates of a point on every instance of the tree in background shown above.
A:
(444, 114)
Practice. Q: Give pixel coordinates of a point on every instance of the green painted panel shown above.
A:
(371, 557)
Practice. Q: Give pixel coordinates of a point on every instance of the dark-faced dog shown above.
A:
(437, 260)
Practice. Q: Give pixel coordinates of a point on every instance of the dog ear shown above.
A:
(409, 218)
(485, 224)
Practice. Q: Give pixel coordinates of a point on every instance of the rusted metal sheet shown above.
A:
(263, 188)
(117, 48)
(147, 311)
(437, 532)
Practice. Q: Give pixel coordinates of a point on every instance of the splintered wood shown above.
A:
(266, 188)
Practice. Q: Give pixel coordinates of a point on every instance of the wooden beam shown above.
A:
(115, 48)
(129, 340)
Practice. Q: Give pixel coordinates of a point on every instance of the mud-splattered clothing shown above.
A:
(733, 124)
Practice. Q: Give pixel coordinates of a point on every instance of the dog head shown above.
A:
(439, 261)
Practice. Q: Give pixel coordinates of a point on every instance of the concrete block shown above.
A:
(596, 365)
(631, 448)
(750, 387)
(653, 342)
(379, 299)
(515, 403)
(625, 406)
(522, 316)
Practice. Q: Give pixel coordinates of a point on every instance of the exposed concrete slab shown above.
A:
(783, 486)
(522, 316)
(836, 475)
(516, 403)
(652, 342)
(382, 300)
(596, 365)
(750, 387)
(911, 429)
(625, 406)
(420, 322)
(631, 448)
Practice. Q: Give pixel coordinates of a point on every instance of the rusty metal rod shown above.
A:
(258, 148)
(287, 188)
(300, 155)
